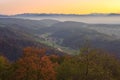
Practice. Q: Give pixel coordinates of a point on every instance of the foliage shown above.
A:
(34, 64)
(90, 65)
(3, 67)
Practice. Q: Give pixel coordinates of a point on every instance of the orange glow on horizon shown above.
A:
(59, 6)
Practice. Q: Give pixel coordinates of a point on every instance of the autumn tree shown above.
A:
(34, 65)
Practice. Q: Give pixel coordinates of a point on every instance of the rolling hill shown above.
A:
(68, 34)
(16, 34)
(75, 34)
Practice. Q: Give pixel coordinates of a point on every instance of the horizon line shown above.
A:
(60, 14)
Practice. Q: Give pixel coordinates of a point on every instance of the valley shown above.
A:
(59, 39)
(63, 36)
(53, 42)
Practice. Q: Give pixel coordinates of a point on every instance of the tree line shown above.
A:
(34, 64)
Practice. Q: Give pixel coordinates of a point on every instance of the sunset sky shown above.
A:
(59, 6)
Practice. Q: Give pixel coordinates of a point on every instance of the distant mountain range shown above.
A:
(3, 15)
(45, 14)
(94, 14)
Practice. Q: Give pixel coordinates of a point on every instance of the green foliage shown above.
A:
(71, 69)
(3, 67)
(90, 64)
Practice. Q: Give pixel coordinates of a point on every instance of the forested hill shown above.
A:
(34, 64)
(66, 36)
(14, 38)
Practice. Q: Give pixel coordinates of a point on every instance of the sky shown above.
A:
(11, 7)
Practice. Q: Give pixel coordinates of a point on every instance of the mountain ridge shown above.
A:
(57, 14)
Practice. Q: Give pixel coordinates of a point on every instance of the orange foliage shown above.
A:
(35, 65)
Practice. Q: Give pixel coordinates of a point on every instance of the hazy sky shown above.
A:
(59, 6)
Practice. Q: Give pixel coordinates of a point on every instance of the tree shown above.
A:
(71, 69)
(34, 65)
(100, 65)
(91, 64)
(4, 65)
